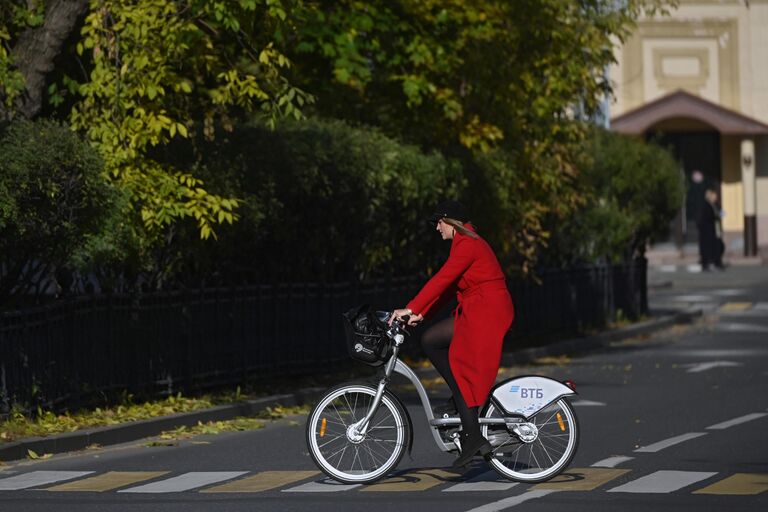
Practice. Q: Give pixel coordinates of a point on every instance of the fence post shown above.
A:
(642, 275)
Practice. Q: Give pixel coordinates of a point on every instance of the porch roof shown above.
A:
(682, 104)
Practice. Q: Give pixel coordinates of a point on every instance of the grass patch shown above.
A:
(209, 428)
(46, 423)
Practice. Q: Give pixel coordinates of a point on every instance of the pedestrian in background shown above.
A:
(711, 246)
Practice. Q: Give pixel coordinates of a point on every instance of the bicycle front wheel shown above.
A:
(540, 456)
(346, 455)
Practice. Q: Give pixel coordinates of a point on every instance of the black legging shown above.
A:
(435, 342)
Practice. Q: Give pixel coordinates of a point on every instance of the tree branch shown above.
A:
(36, 49)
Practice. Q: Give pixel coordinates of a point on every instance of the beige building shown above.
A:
(697, 80)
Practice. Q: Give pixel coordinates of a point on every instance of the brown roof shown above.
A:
(681, 104)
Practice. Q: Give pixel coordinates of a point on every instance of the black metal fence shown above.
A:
(71, 351)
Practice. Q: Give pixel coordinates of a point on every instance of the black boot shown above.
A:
(471, 446)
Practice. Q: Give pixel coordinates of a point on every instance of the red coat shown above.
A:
(482, 318)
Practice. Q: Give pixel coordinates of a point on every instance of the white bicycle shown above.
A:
(358, 432)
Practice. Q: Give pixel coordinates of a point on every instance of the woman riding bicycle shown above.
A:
(466, 348)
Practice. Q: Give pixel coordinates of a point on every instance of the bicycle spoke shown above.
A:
(332, 440)
(354, 418)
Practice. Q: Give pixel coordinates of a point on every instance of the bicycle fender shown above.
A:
(407, 418)
(525, 396)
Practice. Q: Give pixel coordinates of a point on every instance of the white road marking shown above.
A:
(668, 268)
(721, 352)
(731, 327)
(702, 367)
(511, 502)
(326, 485)
(38, 478)
(657, 447)
(729, 292)
(587, 403)
(691, 298)
(185, 482)
(761, 306)
(662, 482)
(611, 462)
(488, 481)
(737, 421)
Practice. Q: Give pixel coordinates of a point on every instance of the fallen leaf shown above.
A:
(160, 443)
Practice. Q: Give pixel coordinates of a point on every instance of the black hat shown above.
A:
(451, 209)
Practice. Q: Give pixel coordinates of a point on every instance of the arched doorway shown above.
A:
(715, 146)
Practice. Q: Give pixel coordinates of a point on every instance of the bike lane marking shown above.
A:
(741, 484)
(611, 462)
(663, 482)
(511, 502)
(666, 443)
(263, 481)
(325, 485)
(420, 480)
(107, 481)
(737, 421)
(488, 481)
(38, 478)
(581, 479)
(185, 482)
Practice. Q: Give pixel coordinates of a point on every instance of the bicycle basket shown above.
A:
(366, 338)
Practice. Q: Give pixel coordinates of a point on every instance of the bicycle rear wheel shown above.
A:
(345, 455)
(546, 454)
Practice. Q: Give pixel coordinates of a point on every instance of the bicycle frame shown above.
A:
(395, 365)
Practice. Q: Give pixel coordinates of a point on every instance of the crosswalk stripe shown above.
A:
(38, 478)
(420, 480)
(107, 481)
(738, 484)
(662, 482)
(666, 443)
(611, 462)
(263, 481)
(511, 502)
(735, 306)
(488, 481)
(581, 479)
(185, 482)
(737, 421)
(325, 485)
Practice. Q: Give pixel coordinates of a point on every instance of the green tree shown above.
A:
(57, 214)
(156, 70)
(631, 190)
(509, 78)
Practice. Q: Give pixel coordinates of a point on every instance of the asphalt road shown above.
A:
(674, 422)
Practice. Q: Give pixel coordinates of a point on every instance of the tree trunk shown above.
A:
(36, 49)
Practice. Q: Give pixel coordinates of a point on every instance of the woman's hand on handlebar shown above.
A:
(413, 319)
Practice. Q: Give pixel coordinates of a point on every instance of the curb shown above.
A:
(126, 432)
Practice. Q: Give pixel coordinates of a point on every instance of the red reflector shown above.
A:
(570, 384)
